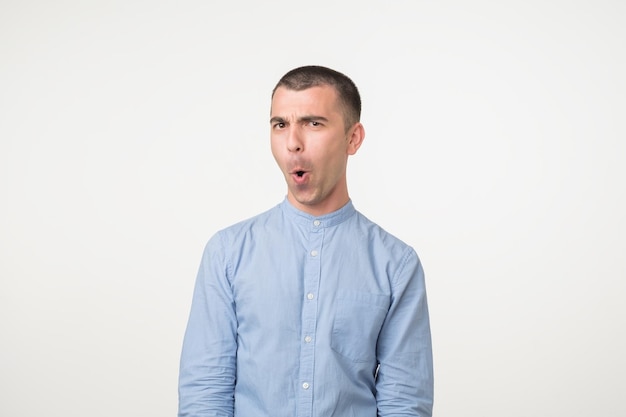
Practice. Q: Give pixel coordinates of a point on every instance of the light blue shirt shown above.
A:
(302, 316)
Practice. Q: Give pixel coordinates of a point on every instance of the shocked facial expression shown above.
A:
(311, 145)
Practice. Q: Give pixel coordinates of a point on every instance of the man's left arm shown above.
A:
(404, 384)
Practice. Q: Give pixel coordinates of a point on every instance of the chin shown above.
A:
(305, 200)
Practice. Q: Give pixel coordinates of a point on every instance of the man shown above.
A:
(309, 309)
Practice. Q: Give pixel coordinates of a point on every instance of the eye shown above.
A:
(279, 125)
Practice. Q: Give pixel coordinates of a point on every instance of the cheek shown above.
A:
(275, 152)
(339, 165)
(280, 158)
(336, 156)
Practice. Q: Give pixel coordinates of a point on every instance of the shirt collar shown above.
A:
(327, 220)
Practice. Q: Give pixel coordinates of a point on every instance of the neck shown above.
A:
(319, 209)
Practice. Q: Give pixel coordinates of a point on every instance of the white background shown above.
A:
(131, 131)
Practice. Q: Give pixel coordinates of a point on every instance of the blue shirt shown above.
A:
(302, 316)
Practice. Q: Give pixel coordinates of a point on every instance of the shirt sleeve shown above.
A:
(404, 383)
(208, 359)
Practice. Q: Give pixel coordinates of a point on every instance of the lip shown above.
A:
(299, 179)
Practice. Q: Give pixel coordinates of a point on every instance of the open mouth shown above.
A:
(300, 176)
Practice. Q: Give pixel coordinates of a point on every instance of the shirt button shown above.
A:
(305, 385)
(309, 296)
(308, 339)
(317, 222)
(313, 253)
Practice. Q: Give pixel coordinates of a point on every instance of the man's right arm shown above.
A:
(208, 361)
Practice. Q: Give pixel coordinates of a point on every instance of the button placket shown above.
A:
(309, 318)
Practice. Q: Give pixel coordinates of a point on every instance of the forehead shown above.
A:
(318, 100)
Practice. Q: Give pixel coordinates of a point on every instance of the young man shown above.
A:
(309, 309)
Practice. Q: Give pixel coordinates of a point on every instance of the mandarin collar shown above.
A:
(326, 220)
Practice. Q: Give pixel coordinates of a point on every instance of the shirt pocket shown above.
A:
(358, 319)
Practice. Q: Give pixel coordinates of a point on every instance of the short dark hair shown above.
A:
(313, 75)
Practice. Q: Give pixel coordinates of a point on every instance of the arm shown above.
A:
(404, 382)
(208, 360)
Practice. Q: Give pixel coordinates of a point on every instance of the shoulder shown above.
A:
(374, 232)
(226, 242)
(386, 246)
(243, 228)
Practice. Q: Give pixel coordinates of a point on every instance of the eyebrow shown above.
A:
(313, 119)
(303, 119)
(277, 120)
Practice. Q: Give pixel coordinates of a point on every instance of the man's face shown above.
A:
(311, 146)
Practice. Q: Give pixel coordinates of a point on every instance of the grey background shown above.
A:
(131, 131)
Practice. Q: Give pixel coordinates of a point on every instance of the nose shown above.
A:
(294, 140)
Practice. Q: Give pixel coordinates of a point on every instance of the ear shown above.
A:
(355, 138)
